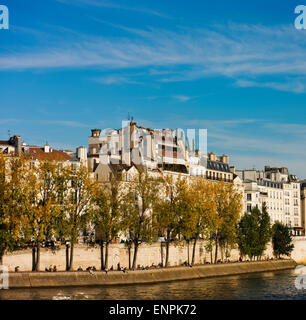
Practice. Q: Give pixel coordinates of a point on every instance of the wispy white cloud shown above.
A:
(182, 98)
(247, 54)
(12, 120)
(113, 5)
(66, 123)
(115, 79)
(296, 86)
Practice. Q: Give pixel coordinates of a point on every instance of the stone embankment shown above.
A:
(98, 278)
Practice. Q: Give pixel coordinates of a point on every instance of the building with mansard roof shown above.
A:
(279, 191)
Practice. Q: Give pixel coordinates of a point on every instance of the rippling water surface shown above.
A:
(268, 285)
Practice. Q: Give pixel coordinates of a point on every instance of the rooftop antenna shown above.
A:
(129, 117)
(9, 133)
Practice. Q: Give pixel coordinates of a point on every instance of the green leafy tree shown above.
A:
(254, 233)
(248, 235)
(281, 240)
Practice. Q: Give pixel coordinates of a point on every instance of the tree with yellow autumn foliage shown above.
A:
(169, 210)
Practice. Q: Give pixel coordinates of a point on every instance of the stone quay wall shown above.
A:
(70, 279)
(85, 255)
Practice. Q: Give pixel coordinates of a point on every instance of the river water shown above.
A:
(268, 285)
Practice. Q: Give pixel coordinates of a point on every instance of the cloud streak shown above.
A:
(247, 54)
(112, 5)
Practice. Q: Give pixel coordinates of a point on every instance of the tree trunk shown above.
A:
(2, 251)
(33, 258)
(193, 251)
(129, 249)
(106, 255)
(135, 254)
(161, 253)
(167, 254)
(102, 255)
(71, 257)
(67, 257)
(211, 256)
(188, 251)
(216, 251)
(37, 263)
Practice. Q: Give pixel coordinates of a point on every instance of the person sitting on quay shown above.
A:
(49, 269)
(54, 269)
(17, 269)
(118, 267)
(93, 268)
(80, 268)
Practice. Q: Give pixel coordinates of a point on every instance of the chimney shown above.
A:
(46, 148)
(16, 142)
(212, 156)
(95, 132)
(224, 159)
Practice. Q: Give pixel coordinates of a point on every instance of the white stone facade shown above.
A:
(279, 191)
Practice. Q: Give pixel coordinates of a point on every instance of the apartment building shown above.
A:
(11, 146)
(160, 149)
(303, 204)
(15, 147)
(278, 191)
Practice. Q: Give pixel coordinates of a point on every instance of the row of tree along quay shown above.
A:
(51, 200)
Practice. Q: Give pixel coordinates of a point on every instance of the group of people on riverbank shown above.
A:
(92, 269)
(51, 269)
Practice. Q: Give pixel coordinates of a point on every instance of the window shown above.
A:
(249, 208)
(249, 197)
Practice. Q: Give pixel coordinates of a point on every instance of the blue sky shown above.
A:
(236, 68)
